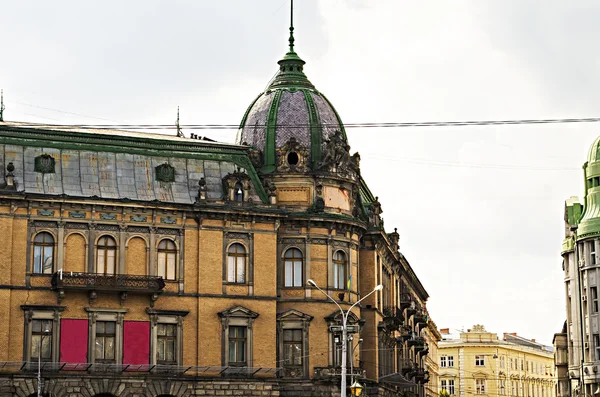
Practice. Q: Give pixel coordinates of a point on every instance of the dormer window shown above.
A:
(238, 192)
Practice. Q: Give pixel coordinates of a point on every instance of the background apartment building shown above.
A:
(477, 363)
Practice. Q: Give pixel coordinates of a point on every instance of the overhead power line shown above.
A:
(346, 125)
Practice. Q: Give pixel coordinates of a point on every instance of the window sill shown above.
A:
(238, 284)
(41, 274)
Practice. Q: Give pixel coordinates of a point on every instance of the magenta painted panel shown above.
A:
(136, 342)
(73, 341)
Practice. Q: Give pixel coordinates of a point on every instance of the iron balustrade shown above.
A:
(107, 282)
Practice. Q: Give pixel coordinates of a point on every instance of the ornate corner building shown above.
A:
(136, 264)
(578, 344)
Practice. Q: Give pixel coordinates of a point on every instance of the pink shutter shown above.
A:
(136, 342)
(73, 341)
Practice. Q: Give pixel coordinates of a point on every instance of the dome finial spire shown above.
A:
(291, 40)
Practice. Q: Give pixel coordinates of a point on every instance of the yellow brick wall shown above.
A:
(75, 258)
(318, 264)
(137, 258)
(265, 264)
(210, 263)
(190, 264)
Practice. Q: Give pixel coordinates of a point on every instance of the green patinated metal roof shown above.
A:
(289, 107)
(120, 164)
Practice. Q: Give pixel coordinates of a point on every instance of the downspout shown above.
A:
(580, 307)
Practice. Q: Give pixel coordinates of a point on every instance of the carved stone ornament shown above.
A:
(165, 173)
(256, 157)
(44, 164)
(337, 159)
(292, 157)
(9, 180)
(375, 213)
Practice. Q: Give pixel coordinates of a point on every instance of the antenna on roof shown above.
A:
(179, 132)
(2, 105)
(291, 39)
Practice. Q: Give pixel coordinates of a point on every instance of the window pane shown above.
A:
(46, 347)
(100, 261)
(171, 350)
(287, 335)
(48, 259)
(170, 330)
(297, 335)
(110, 348)
(99, 348)
(37, 259)
(288, 273)
(162, 264)
(232, 351)
(241, 269)
(231, 269)
(160, 328)
(37, 326)
(335, 276)
(160, 350)
(287, 354)
(110, 328)
(110, 262)
(298, 274)
(241, 351)
(297, 348)
(99, 327)
(171, 266)
(35, 346)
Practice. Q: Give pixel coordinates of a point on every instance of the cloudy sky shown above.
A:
(479, 209)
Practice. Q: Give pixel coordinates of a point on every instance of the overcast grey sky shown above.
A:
(479, 209)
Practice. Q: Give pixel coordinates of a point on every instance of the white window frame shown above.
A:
(450, 361)
(443, 362)
(451, 386)
(480, 386)
(480, 361)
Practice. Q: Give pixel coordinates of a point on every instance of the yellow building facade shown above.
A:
(479, 364)
(136, 264)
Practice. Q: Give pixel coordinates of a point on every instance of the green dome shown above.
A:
(589, 225)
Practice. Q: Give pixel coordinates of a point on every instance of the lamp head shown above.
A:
(311, 282)
(378, 288)
(356, 389)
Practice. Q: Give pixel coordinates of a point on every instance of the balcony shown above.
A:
(331, 373)
(94, 282)
(421, 318)
(407, 333)
(405, 300)
(391, 321)
(416, 341)
(421, 376)
(407, 366)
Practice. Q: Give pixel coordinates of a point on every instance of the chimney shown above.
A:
(533, 340)
(444, 330)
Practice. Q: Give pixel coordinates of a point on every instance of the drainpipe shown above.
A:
(580, 307)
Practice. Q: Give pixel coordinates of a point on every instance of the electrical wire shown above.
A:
(346, 125)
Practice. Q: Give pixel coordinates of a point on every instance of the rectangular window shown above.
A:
(593, 252)
(105, 341)
(451, 362)
(512, 364)
(502, 361)
(479, 361)
(444, 384)
(443, 361)
(513, 388)
(292, 347)
(597, 345)
(594, 291)
(451, 387)
(166, 341)
(480, 386)
(502, 387)
(41, 340)
(237, 346)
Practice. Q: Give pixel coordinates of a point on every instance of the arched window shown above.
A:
(238, 192)
(293, 268)
(106, 255)
(339, 270)
(167, 256)
(236, 263)
(43, 253)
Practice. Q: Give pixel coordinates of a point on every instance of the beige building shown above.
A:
(143, 264)
(432, 336)
(477, 363)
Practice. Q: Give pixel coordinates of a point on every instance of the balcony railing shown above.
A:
(407, 366)
(405, 300)
(107, 282)
(391, 320)
(336, 372)
(121, 283)
(416, 341)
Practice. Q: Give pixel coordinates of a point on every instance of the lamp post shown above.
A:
(344, 330)
(45, 332)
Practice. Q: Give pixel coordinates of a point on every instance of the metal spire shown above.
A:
(1, 105)
(291, 40)
(179, 132)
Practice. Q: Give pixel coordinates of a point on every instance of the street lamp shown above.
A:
(45, 332)
(344, 331)
(352, 360)
(356, 389)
